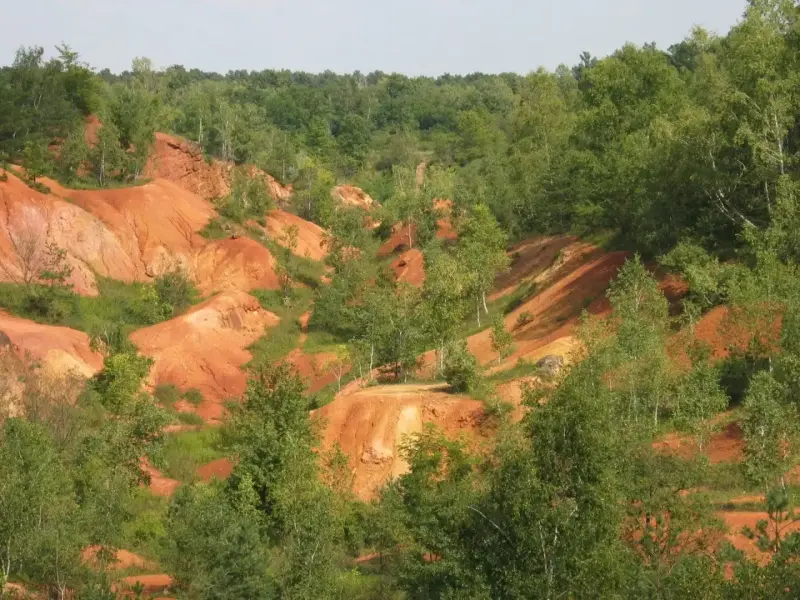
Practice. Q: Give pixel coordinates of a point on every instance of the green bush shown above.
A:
(215, 229)
(166, 394)
(182, 453)
(460, 368)
(193, 396)
(249, 197)
(175, 289)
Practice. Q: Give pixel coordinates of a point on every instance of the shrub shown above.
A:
(460, 367)
(523, 319)
(215, 229)
(193, 396)
(176, 290)
(249, 197)
(166, 394)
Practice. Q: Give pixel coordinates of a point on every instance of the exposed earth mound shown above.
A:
(370, 425)
(409, 267)
(131, 234)
(182, 163)
(206, 348)
(156, 224)
(350, 195)
(552, 314)
(59, 348)
(234, 264)
(310, 236)
(30, 220)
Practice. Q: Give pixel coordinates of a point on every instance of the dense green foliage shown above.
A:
(654, 145)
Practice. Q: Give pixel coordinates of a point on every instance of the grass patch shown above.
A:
(281, 340)
(110, 184)
(524, 292)
(303, 270)
(112, 314)
(319, 340)
(184, 452)
(144, 531)
(215, 229)
(523, 368)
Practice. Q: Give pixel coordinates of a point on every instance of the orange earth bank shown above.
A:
(182, 162)
(131, 234)
(59, 348)
(310, 236)
(206, 348)
(350, 195)
(370, 424)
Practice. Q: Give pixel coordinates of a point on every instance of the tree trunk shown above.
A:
(485, 308)
(410, 240)
(478, 309)
(371, 357)
(103, 165)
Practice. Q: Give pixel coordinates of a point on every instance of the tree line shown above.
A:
(651, 146)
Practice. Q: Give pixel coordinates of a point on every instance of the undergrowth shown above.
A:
(182, 453)
(117, 309)
(279, 341)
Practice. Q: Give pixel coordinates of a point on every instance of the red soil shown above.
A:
(352, 196)
(123, 559)
(131, 234)
(310, 238)
(531, 260)
(234, 264)
(60, 348)
(155, 225)
(370, 424)
(398, 241)
(29, 220)
(409, 267)
(725, 446)
(736, 521)
(206, 348)
(554, 312)
(219, 469)
(91, 127)
(159, 484)
(151, 584)
(182, 162)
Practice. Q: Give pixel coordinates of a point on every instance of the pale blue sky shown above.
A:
(411, 36)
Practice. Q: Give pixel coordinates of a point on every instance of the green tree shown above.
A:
(502, 340)
(768, 425)
(460, 367)
(274, 439)
(215, 546)
(36, 159)
(73, 154)
(641, 316)
(39, 533)
(444, 295)
(108, 157)
(482, 251)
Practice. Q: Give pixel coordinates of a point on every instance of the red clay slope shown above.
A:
(310, 236)
(30, 220)
(350, 195)
(182, 163)
(370, 424)
(59, 348)
(206, 348)
(130, 234)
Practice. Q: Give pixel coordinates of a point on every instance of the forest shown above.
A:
(504, 214)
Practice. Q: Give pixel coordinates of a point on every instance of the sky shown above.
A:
(416, 37)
